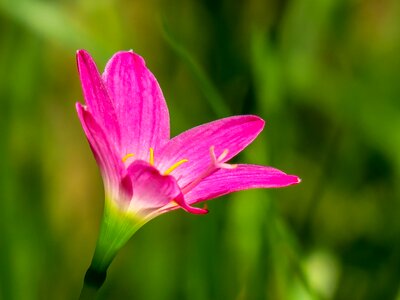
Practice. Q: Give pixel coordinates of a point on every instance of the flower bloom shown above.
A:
(145, 172)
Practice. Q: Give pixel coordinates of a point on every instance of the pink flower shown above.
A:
(145, 172)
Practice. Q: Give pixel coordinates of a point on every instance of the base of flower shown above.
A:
(116, 229)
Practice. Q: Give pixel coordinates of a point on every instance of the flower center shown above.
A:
(217, 162)
(151, 161)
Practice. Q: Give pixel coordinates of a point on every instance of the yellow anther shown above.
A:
(125, 158)
(151, 160)
(174, 166)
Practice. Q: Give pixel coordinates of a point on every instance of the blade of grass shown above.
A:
(51, 22)
(210, 92)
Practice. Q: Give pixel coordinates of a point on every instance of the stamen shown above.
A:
(125, 158)
(151, 156)
(174, 166)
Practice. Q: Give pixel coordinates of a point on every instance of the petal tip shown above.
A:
(294, 179)
(80, 107)
(127, 55)
(84, 61)
(258, 120)
(82, 54)
(124, 58)
(261, 121)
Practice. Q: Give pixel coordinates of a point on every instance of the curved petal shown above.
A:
(233, 133)
(104, 151)
(225, 181)
(96, 97)
(147, 190)
(139, 104)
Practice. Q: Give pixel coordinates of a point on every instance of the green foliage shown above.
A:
(323, 74)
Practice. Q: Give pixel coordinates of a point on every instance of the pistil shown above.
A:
(216, 164)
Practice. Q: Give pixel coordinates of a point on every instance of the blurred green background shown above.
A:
(323, 74)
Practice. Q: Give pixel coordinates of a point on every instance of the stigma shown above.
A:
(217, 162)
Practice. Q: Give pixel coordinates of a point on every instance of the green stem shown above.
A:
(93, 281)
(117, 227)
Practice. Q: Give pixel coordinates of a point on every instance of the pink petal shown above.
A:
(139, 104)
(148, 190)
(243, 177)
(96, 96)
(110, 164)
(233, 133)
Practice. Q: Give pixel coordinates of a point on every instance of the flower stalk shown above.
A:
(115, 230)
